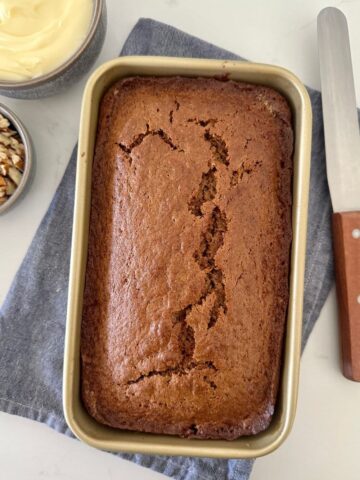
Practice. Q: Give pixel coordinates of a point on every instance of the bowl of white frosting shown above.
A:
(47, 45)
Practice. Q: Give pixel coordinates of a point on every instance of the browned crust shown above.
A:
(187, 276)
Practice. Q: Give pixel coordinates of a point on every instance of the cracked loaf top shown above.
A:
(188, 264)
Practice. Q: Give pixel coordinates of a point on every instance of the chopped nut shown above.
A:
(3, 200)
(4, 122)
(4, 140)
(10, 187)
(19, 148)
(14, 141)
(4, 169)
(2, 192)
(9, 133)
(20, 165)
(15, 175)
(2, 181)
(17, 161)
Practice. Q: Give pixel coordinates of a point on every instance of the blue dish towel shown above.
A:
(32, 318)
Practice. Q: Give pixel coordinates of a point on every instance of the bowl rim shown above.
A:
(25, 137)
(63, 67)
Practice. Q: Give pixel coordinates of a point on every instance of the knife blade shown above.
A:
(342, 145)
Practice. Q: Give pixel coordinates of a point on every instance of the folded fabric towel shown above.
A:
(32, 318)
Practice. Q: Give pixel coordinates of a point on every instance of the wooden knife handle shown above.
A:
(346, 230)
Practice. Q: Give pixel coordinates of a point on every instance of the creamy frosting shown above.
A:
(37, 36)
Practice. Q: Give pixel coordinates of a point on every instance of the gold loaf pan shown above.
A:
(79, 421)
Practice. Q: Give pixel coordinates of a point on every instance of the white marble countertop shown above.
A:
(325, 441)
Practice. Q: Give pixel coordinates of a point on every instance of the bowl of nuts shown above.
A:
(16, 159)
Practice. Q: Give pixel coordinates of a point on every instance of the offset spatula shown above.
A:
(342, 142)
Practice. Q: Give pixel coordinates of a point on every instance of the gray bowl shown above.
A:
(29, 158)
(70, 71)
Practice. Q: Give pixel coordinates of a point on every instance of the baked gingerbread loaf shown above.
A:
(187, 278)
